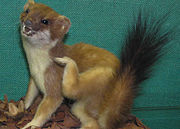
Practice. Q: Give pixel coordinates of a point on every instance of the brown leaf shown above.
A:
(9, 125)
(21, 106)
(63, 108)
(3, 118)
(132, 126)
(70, 121)
(24, 121)
(2, 105)
(140, 124)
(62, 119)
(55, 126)
(5, 99)
(58, 117)
(13, 110)
(134, 123)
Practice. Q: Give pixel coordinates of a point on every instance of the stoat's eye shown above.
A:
(46, 22)
(27, 11)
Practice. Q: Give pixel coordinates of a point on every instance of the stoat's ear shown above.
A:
(65, 23)
(29, 2)
(60, 27)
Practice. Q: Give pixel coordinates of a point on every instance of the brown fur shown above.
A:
(105, 99)
(90, 76)
(44, 12)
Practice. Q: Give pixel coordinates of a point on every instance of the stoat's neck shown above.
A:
(35, 51)
(38, 58)
(59, 50)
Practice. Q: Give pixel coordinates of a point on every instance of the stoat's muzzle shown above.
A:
(27, 28)
(27, 31)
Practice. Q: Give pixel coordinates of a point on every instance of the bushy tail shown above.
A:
(141, 50)
(143, 47)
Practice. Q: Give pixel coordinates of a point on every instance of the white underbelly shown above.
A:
(39, 81)
(37, 69)
(39, 61)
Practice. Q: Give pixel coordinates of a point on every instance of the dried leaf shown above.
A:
(59, 116)
(69, 121)
(134, 123)
(5, 99)
(8, 127)
(140, 124)
(132, 126)
(13, 110)
(55, 126)
(62, 119)
(3, 118)
(21, 106)
(24, 121)
(2, 105)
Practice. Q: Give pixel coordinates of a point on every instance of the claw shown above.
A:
(30, 124)
(63, 60)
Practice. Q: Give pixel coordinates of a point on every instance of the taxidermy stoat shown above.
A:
(103, 87)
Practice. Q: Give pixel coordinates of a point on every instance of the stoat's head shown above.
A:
(41, 25)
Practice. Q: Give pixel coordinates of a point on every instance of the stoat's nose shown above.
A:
(28, 23)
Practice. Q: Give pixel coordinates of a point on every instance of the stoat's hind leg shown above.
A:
(87, 121)
(76, 85)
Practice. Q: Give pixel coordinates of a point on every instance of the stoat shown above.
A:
(102, 85)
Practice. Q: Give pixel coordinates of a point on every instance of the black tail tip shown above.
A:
(143, 45)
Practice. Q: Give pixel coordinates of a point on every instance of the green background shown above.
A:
(102, 23)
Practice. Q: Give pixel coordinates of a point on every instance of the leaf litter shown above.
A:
(13, 116)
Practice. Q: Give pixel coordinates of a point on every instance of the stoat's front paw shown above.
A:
(32, 125)
(63, 61)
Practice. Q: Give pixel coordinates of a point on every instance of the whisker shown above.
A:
(45, 34)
